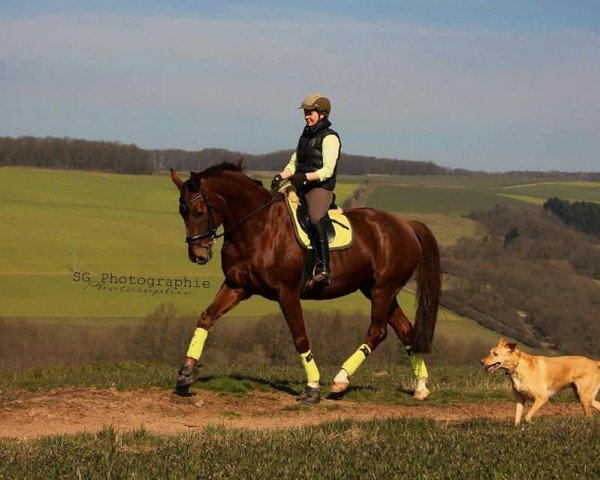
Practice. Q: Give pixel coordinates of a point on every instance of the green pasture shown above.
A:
(462, 181)
(447, 228)
(71, 237)
(524, 198)
(66, 231)
(573, 191)
(432, 200)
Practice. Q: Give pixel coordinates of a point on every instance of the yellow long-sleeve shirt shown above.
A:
(330, 149)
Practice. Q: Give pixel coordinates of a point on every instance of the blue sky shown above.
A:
(492, 85)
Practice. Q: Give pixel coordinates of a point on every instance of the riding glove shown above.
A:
(298, 180)
(276, 182)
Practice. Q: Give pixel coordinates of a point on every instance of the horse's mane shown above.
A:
(217, 170)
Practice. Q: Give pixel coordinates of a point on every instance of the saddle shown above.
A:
(338, 228)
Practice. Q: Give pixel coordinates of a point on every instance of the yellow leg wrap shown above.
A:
(419, 368)
(356, 359)
(309, 364)
(197, 343)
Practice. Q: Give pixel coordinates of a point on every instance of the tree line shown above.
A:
(69, 153)
(583, 216)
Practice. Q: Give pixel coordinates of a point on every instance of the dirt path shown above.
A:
(67, 411)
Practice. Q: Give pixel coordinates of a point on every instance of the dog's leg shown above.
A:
(587, 393)
(538, 403)
(596, 405)
(586, 402)
(520, 399)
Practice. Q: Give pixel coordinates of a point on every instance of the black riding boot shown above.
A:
(321, 245)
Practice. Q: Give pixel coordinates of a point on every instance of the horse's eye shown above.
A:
(198, 214)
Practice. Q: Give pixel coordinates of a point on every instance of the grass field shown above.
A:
(418, 448)
(402, 448)
(427, 199)
(122, 227)
(573, 191)
(66, 230)
(117, 226)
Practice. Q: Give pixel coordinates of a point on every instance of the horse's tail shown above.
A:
(429, 284)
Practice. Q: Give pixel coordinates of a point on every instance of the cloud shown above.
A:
(404, 90)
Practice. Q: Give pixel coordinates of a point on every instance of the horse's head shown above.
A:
(200, 215)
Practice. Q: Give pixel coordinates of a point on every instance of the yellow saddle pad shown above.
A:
(343, 234)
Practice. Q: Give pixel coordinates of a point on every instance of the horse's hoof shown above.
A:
(187, 375)
(421, 392)
(338, 387)
(183, 391)
(309, 396)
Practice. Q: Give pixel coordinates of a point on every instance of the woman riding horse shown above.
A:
(312, 171)
(260, 257)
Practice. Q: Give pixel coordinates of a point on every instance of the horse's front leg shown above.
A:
(289, 301)
(225, 300)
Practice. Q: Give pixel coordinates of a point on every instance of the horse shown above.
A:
(260, 256)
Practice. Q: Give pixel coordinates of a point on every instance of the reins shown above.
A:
(262, 207)
(212, 231)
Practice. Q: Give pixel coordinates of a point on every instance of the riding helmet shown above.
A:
(316, 101)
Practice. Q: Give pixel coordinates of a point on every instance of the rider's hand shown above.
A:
(276, 182)
(298, 180)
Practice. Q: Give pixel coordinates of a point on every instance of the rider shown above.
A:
(312, 171)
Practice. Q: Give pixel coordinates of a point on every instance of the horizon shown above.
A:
(481, 86)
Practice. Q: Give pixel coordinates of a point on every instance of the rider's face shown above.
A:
(312, 117)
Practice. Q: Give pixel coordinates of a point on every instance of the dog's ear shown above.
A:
(511, 346)
(502, 341)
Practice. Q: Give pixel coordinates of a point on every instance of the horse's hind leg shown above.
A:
(380, 305)
(403, 328)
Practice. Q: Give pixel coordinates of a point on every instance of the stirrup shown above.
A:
(321, 274)
(322, 277)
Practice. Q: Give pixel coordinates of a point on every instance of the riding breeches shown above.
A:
(318, 201)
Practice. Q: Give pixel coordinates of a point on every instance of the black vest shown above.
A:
(309, 154)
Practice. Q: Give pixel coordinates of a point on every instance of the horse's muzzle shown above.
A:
(200, 256)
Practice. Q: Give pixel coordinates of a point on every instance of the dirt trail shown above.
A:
(27, 415)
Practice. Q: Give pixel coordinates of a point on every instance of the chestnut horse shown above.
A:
(260, 256)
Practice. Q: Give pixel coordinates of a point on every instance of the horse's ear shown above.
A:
(176, 179)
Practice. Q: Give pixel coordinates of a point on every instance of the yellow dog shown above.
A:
(538, 378)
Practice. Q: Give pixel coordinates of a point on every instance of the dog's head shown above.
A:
(502, 355)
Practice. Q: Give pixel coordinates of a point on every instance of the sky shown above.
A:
(489, 85)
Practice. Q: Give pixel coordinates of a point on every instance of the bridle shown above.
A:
(212, 230)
